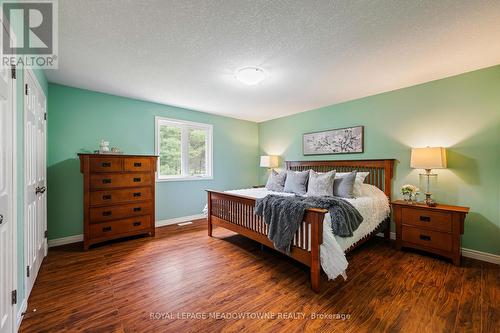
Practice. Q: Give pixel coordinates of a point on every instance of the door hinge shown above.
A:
(13, 72)
(45, 233)
(28, 271)
(14, 297)
(45, 116)
(26, 89)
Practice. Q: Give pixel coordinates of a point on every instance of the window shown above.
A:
(184, 149)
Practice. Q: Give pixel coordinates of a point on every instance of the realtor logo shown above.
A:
(30, 39)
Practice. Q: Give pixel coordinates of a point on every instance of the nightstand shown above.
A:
(432, 229)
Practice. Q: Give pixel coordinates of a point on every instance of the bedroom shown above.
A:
(154, 125)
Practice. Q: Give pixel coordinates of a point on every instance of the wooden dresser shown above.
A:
(433, 229)
(118, 196)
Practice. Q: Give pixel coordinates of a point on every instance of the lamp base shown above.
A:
(429, 201)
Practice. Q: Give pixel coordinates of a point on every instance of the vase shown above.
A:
(409, 199)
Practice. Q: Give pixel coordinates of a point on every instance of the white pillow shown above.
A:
(360, 178)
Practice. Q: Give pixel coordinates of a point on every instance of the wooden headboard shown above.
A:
(381, 171)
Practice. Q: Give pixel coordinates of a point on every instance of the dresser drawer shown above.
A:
(136, 164)
(117, 227)
(107, 213)
(106, 164)
(427, 219)
(119, 196)
(103, 181)
(427, 238)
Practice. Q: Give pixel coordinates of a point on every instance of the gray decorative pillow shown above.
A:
(343, 186)
(296, 182)
(276, 181)
(320, 184)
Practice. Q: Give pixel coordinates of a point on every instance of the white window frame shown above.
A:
(162, 121)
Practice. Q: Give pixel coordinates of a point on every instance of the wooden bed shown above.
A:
(236, 212)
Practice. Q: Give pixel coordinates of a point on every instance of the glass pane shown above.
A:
(170, 151)
(197, 152)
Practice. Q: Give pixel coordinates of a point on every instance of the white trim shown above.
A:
(184, 124)
(469, 253)
(483, 256)
(180, 179)
(19, 316)
(162, 223)
(159, 223)
(65, 240)
(14, 197)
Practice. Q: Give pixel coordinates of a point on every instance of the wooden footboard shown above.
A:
(236, 213)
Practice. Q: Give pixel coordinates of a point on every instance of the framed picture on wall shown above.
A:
(338, 141)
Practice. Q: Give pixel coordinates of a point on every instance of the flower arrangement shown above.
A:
(411, 191)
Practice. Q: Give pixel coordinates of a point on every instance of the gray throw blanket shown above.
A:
(284, 216)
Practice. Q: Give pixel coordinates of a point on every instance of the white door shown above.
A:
(35, 243)
(7, 223)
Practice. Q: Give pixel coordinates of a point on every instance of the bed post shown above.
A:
(209, 214)
(389, 172)
(316, 239)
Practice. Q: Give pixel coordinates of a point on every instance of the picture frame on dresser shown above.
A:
(118, 196)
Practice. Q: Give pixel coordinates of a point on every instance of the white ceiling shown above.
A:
(317, 53)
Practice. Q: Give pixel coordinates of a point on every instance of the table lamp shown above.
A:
(428, 158)
(269, 161)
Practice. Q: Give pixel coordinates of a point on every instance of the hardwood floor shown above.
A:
(127, 286)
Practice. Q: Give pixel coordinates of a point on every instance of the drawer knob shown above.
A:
(106, 181)
(425, 237)
(137, 209)
(136, 224)
(137, 164)
(106, 197)
(137, 194)
(137, 179)
(425, 218)
(106, 229)
(106, 164)
(106, 213)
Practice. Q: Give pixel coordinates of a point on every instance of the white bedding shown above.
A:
(373, 205)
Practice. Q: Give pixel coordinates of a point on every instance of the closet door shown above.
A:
(35, 179)
(7, 183)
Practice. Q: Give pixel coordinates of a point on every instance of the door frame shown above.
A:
(15, 182)
(29, 72)
(14, 190)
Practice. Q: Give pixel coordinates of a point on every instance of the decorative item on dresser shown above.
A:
(434, 229)
(119, 192)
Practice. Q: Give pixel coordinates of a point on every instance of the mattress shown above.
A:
(373, 205)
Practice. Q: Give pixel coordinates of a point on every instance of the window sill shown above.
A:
(182, 179)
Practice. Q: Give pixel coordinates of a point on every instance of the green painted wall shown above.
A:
(79, 119)
(461, 113)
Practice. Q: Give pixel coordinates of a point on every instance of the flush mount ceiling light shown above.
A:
(250, 75)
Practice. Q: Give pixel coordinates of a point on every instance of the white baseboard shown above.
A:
(162, 223)
(65, 240)
(473, 254)
(159, 223)
(483, 256)
(19, 317)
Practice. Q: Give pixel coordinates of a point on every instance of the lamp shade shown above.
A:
(428, 158)
(269, 161)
